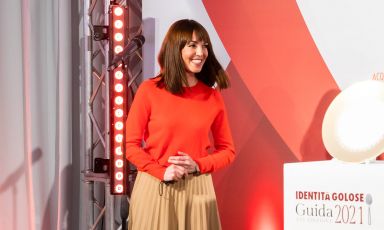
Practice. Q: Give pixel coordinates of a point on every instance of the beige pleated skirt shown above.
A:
(189, 204)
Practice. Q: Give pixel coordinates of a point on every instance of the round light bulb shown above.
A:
(118, 87)
(118, 24)
(119, 163)
(118, 49)
(119, 113)
(119, 176)
(118, 11)
(118, 75)
(118, 151)
(118, 37)
(119, 125)
(119, 100)
(119, 138)
(119, 188)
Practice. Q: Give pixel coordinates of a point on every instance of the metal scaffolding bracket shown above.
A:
(102, 207)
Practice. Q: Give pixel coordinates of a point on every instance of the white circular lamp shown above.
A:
(353, 125)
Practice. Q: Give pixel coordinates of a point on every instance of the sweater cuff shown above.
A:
(204, 164)
(158, 172)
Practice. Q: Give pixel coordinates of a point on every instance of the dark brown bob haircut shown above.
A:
(172, 70)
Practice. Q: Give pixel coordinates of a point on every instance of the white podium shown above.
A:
(333, 195)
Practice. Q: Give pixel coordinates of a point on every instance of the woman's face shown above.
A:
(194, 55)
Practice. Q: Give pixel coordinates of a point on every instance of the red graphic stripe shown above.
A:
(279, 63)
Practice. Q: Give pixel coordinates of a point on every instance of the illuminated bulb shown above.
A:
(118, 151)
(119, 100)
(118, 112)
(119, 176)
(119, 138)
(119, 163)
(118, 24)
(118, 49)
(118, 88)
(118, 11)
(119, 188)
(118, 75)
(119, 125)
(118, 37)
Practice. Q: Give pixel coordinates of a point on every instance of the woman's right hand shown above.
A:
(174, 173)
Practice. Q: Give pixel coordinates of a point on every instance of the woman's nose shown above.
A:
(199, 50)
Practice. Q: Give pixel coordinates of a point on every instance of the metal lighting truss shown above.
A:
(101, 206)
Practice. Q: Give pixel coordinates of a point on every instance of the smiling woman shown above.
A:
(194, 54)
(186, 43)
(174, 114)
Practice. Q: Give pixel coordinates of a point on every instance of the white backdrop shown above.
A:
(349, 35)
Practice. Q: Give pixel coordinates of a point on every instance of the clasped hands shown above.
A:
(181, 165)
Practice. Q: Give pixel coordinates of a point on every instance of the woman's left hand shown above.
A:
(184, 160)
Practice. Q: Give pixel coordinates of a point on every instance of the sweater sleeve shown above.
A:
(136, 125)
(224, 152)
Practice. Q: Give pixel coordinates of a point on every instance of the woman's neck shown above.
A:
(192, 80)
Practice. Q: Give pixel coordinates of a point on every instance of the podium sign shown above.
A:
(333, 195)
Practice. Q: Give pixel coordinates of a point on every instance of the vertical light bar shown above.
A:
(118, 100)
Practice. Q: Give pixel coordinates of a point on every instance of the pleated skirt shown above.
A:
(189, 204)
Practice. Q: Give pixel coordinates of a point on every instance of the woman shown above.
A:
(174, 113)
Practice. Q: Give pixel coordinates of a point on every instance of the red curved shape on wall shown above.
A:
(277, 59)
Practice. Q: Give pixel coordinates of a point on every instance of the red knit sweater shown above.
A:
(170, 123)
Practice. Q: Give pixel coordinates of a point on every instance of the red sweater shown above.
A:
(170, 123)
